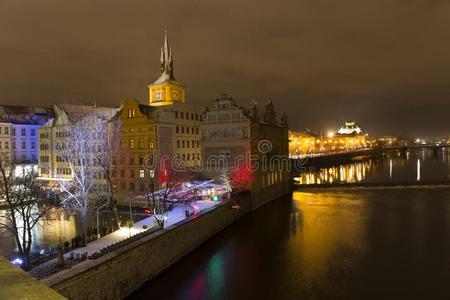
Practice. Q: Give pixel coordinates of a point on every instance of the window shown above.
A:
(6, 145)
(14, 146)
(44, 158)
(182, 129)
(141, 186)
(131, 113)
(132, 173)
(188, 156)
(182, 144)
(13, 132)
(192, 117)
(141, 144)
(176, 114)
(182, 115)
(6, 130)
(178, 144)
(196, 131)
(23, 132)
(122, 185)
(24, 145)
(151, 145)
(33, 145)
(141, 173)
(122, 173)
(177, 129)
(131, 186)
(187, 130)
(33, 132)
(192, 143)
(131, 144)
(196, 117)
(0, 145)
(132, 160)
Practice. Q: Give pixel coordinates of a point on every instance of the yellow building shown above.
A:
(166, 90)
(135, 152)
(178, 123)
(348, 137)
(301, 143)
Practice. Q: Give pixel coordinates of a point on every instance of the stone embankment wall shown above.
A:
(17, 284)
(118, 274)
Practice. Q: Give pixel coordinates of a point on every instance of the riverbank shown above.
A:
(122, 271)
(372, 185)
(343, 244)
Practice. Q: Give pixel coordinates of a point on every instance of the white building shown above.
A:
(19, 132)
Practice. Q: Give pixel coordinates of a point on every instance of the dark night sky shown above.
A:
(383, 63)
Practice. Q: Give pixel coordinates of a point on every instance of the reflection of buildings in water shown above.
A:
(418, 169)
(328, 229)
(58, 226)
(351, 173)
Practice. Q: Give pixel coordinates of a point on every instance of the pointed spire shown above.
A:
(166, 61)
(166, 47)
(162, 61)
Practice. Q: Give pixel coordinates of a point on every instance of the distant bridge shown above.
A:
(426, 146)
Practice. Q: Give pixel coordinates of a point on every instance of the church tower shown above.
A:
(166, 90)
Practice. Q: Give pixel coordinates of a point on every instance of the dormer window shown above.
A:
(131, 113)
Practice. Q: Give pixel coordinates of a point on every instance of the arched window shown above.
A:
(131, 144)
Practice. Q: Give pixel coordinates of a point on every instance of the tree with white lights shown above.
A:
(24, 204)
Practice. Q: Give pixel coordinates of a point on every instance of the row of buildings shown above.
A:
(348, 137)
(165, 126)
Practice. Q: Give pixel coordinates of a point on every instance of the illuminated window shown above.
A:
(131, 144)
(151, 145)
(141, 173)
(131, 113)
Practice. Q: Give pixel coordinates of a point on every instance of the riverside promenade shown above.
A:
(174, 216)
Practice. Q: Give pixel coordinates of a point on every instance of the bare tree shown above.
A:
(110, 133)
(165, 187)
(25, 206)
(79, 154)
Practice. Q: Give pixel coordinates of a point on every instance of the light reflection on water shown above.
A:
(354, 244)
(46, 233)
(420, 165)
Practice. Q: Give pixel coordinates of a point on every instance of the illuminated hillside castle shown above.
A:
(166, 90)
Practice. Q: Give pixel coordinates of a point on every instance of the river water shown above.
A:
(353, 243)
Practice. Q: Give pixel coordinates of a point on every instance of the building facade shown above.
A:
(178, 123)
(19, 127)
(55, 134)
(135, 150)
(243, 141)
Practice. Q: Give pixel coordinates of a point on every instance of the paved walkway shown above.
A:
(176, 215)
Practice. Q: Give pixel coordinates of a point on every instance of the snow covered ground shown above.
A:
(176, 215)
